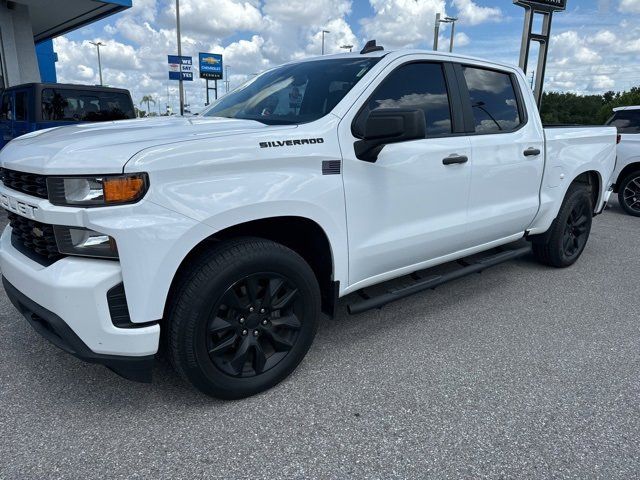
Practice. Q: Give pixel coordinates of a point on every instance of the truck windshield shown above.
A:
(291, 94)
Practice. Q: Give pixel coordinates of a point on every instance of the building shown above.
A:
(27, 28)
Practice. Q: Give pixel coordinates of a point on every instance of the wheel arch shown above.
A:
(552, 198)
(302, 235)
(632, 167)
(593, 180)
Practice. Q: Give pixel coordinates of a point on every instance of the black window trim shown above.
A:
(470, 123)
(452, 86)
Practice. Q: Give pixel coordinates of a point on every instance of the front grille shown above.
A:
(34, 236)
(29, 183)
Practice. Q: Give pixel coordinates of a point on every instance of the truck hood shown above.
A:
(100, 148)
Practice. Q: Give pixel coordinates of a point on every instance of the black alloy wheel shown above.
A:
(254, 325)
(243, 317)
(629, 195)
(576, 232)
(563, 243)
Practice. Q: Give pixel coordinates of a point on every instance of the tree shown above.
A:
(148, 99)
(569, 108)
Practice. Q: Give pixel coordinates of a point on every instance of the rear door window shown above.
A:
(85, 105)
(493, 100)
(626, 121)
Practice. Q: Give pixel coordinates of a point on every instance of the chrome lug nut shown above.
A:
(265, 321)
(241, 320)
(262, 310)
(244, 332)
(256, 333)
(251, 309)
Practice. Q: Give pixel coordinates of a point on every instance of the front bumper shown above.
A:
(69, 298)
(54, 329)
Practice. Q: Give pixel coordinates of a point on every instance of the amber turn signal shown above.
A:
(123, 189)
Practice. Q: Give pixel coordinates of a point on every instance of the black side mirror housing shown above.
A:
(392, 125)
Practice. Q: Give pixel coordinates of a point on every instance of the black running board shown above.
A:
(435, 281)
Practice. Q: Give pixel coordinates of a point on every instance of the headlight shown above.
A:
(84, 242)
(98, 191)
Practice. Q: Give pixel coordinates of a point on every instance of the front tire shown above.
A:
(244, 317)
(567, 237)
(629, 194)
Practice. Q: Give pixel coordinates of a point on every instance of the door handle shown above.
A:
(532, 152)
(454, 158)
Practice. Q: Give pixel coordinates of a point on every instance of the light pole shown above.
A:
(99, 44)
(347, 47)
(452, 21)
(439, 20)
(180, 85)
(323, 33)
(226, 77)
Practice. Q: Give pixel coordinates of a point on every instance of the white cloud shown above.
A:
(472, 14)
(462, 39)
(402, 23)
(629, 6)
(604, 37)
(593, 61)
(570, 45)
(602, 82)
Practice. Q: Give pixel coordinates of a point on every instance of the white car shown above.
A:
(627, 172)
(224, 236)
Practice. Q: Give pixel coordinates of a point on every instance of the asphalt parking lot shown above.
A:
(522, 371)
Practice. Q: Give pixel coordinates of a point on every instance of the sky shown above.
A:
(595, 44)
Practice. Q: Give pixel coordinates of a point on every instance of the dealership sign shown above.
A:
(543, 5)
(180, 68)
(211, 66)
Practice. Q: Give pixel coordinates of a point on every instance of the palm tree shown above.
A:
(148, 99)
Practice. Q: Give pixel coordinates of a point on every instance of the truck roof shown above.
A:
(630, 107)
(67, 86)
(407, 51)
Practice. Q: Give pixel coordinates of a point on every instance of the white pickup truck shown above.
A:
(223, 237)
(627, 172)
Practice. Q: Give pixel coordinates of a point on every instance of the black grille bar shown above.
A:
(29, 183)
(34, 236)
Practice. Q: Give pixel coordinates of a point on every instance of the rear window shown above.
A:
(85, 105)
(626, 121)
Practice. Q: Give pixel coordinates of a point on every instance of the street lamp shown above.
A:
(180, 84)
(226, 77)
(98, 45)
(323, 33)
(452, 21)
(347, 47)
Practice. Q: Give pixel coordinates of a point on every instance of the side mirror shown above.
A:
(386, 126)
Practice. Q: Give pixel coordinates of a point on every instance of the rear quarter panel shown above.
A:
(570, 152)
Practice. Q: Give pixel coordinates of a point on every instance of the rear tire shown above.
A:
(629, 194)
(243, 318)
(567, 237)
